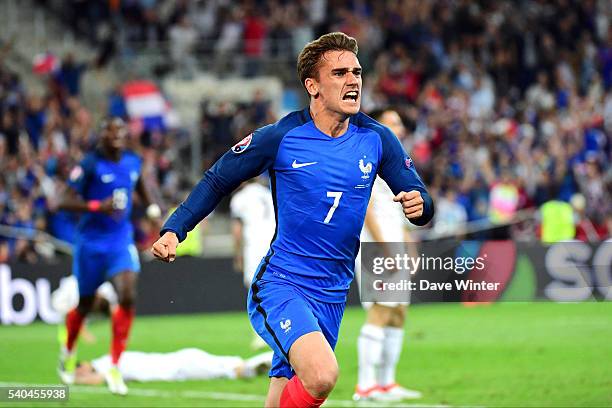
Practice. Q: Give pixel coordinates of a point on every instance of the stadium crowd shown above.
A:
(42, 137)
(509, 105)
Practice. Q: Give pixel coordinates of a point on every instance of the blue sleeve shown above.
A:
(398, 170)
(247, 159)
(81, 175)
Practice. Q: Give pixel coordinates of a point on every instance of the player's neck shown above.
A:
(330, 123)
(111, 154)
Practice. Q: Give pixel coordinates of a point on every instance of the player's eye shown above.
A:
(339, 73)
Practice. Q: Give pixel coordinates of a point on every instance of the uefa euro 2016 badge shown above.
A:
(242, 145)
(408, 162)
(76, 173)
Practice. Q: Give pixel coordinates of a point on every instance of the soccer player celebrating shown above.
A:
(101, 188)
(382, 336)
(322, 163)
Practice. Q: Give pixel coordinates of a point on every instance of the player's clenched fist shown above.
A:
(412, 203)
(165, 247)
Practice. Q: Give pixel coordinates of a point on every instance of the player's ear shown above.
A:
(312, 87)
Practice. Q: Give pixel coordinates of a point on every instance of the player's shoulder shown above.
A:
(131, 157)
(84, 168)
(90, 160)
(362, 120)
(130, 154)
(280, 128)
(267, 139)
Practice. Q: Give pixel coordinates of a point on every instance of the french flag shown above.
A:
(45, 63)
(145, 104)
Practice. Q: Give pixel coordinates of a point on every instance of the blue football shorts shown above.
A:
(93, 264)
(281, 313)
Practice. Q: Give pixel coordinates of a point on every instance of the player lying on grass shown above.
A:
(181, 365)
(101, 189)
(186, 364)
(322, 163)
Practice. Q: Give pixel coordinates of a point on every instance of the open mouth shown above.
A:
(351, 96)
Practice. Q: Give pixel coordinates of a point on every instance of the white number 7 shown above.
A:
(330, 213)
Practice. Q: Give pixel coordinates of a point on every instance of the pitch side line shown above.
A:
(220, 396)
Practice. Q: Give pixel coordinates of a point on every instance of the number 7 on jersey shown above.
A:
(336, 195)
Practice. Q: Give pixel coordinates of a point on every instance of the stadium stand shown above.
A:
(509, 103)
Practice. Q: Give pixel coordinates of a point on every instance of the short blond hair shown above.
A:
(309, 61)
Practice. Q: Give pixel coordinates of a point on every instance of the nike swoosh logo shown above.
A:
(297, 165)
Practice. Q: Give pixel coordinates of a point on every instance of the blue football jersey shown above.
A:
(320, 188)
(98, 178)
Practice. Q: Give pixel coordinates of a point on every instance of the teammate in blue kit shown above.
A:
(101, 188)
(322, 163)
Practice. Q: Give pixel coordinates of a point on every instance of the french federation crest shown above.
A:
(366, 169)
(242, 145)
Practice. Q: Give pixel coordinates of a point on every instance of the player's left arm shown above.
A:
(398, 170)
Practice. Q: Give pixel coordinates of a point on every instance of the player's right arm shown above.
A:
(247, 159)
(78, 181)
(71, 201)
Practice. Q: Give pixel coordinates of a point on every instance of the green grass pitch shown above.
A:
(513, 354)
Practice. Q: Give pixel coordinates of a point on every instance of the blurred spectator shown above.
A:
(592, 184)
(230, 33)
(183, 38)
(70, 73)
(451, 217)
(509, 105)
(557, 220)
(539, 95)
(254, 34)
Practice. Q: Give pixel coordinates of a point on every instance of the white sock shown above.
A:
(393, 342)
(369, 350)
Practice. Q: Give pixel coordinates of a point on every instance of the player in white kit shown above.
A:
(381, 338)
(253, 224)
(181, 365)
